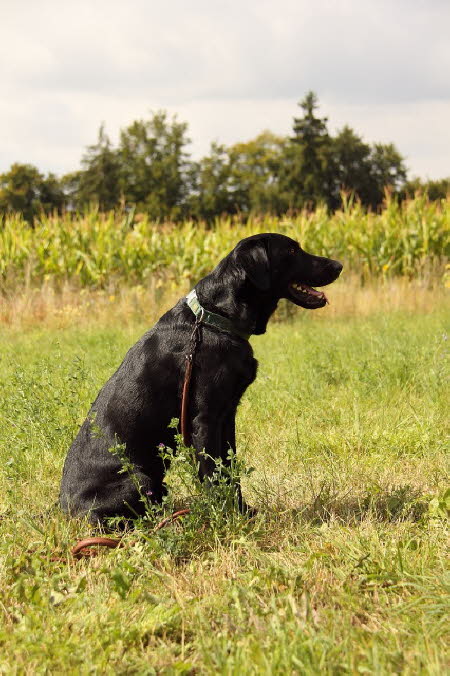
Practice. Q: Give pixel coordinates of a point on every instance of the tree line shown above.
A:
(151, 169)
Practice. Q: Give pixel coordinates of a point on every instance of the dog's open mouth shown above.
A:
(305, 295)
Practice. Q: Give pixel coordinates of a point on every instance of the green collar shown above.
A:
(211, 319)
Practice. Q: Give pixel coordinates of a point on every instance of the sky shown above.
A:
(229, 69)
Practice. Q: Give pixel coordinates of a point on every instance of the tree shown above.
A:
(212, 188)
(254, 173)
(387, 171)
(98, 181)
(154, 166)
(435, 189)
(364, 170)
(52, 196)
(70, 186)
(25, 190)
(306, 158)
(349, 167)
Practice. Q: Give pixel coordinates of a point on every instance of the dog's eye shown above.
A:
(292, 251)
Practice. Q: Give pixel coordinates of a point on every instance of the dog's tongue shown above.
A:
(317, 294)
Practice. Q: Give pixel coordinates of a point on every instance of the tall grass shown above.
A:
(125, 304)
(95, 249)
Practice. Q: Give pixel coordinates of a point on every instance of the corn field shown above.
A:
(95, 249)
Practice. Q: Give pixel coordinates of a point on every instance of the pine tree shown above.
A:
(98, 181)
(307, 157)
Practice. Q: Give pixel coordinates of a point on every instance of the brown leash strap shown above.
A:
(185, 428)
(195, 341)
(82, 548)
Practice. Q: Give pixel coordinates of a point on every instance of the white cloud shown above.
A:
(228, 68)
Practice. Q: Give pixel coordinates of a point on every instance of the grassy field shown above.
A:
(343, 570)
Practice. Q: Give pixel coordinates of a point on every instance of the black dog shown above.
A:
(137, 404)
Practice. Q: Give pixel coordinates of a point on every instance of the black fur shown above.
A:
(137, 403)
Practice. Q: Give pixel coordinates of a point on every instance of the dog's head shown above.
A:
(276, 265)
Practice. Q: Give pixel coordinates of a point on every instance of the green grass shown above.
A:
(343, 569)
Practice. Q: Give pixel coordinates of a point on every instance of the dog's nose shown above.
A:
(337, 267)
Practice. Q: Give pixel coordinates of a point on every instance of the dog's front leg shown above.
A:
(207, 440)
(229, 428)
(229, 435)
(215, 436)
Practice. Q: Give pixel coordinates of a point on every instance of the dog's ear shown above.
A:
(253, 259)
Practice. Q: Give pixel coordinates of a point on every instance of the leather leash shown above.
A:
(195, 340)
(83, 547)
